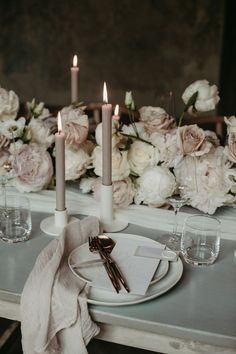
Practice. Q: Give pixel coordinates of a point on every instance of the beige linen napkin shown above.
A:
(54, 313)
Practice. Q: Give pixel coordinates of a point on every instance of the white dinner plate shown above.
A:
(166, 276)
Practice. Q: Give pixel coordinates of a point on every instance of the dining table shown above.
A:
(196, 315)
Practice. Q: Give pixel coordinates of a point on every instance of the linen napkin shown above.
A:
(54, 312)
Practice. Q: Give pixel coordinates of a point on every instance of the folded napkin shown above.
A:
(54, 312)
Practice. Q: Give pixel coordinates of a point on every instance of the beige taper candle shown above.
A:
(74, 80)
(106, 140)
(60, 167)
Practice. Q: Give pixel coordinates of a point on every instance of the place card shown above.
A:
(138, 271)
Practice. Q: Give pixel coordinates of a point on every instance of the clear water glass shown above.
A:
(15, 219)
(200, 241)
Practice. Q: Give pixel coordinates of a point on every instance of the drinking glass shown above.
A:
(200, 241)
(177, 200)
(15, 219)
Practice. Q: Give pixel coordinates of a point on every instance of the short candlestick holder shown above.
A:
(108, 221)
(53, 225)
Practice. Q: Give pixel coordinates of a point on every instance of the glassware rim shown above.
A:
(201, 216)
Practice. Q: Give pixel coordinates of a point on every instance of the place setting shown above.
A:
(125, 269)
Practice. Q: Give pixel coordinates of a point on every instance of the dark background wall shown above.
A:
(150, 46)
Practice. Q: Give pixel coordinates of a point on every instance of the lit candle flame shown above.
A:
(105, 98)
(75, 60)
(59, 125)
(116, 112)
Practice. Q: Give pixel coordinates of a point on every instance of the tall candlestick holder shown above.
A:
(108, 221)
(54, 225)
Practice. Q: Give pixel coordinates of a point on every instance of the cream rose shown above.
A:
(77, 162)
(120, 165)
(9, 104)
(123, 192)
(75, 124)
(191, 140)
(154, 186)
(33, 168)
(142, 155)
(156, 119)
(207, 97)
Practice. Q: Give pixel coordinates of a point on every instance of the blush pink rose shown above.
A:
(33, 167)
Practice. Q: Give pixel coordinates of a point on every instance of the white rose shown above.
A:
(12, 128)
(170, 155)
(129, 130)
(142, 155)
(154, 186)
(116, 137)
(120, 165)
(33, 168)
(231, 124)
(207, 97)
(40, 133)
(77, 162)
(9, 104)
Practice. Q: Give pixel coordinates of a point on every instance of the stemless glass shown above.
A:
(15, 219)
(200, 241)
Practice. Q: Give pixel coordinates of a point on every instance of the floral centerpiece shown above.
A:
(149, 157)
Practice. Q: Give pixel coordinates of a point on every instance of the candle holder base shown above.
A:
(114, 225)
(53, 225)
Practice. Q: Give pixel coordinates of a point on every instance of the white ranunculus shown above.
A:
(170, 155)
(33, 168)
(12, 128)
(77, 162)
(206, 180)
(40, 133)
(86, 184)
(154, 186)
(129, 130)
(207, 97)
(231, 124)
(120, 165)
(116, 137)
(9, 104)
(156, 119)
(142, 155)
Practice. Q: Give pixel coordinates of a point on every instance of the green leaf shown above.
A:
(191, 101)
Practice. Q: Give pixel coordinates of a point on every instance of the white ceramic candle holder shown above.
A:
(109, 223)
(53, 225)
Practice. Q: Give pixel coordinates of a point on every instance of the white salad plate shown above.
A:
(165, 277)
